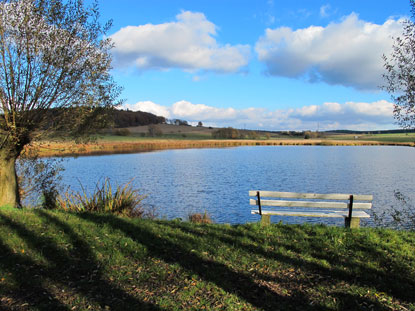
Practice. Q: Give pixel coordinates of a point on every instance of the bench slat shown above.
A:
(282, 203)
(295, 195)
(333, 214)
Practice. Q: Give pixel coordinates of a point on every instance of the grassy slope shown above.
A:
(62, 261)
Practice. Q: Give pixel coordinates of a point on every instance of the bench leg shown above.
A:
(353, 222)
(265, 220)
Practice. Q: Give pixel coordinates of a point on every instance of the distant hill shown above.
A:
(127, 118)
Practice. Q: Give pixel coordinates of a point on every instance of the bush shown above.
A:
(310, 135)
(226, 133)
(125, 201)
(253, 135)
(200, 219)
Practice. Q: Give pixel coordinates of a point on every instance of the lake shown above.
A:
(180, 182)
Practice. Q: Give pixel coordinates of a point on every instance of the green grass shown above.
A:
(51, 260)
(394, 137)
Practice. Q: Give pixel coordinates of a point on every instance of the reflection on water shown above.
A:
(179, 182)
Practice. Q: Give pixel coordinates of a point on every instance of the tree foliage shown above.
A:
(226, 133)
(54, 74)
(400, 73)
(400, 83)
(123, 118)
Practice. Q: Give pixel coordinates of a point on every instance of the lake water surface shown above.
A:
(180, 182)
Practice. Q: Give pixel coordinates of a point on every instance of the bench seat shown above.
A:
(338, 214)
(335, 205)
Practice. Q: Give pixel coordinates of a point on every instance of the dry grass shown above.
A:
(46, 149)
(200, 218)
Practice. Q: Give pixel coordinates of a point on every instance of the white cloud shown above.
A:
(188, 43)
(185, 109)
(328, 116)
(379, 112)
(347, 53)
(149, 106)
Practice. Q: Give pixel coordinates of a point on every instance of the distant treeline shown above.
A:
(59, 117)
(127, 118)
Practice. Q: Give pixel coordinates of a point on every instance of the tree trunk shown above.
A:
(9, 191)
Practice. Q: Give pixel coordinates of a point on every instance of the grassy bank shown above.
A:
(63, 261)
(112, 144)
(135, 139)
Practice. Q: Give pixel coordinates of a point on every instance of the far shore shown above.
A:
(68, 148)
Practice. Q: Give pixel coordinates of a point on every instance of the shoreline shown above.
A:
(68, 149)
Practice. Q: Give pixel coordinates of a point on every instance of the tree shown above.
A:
(54, 75)
(226, 133)
(400, 74)
(179, 122)
(400, 83)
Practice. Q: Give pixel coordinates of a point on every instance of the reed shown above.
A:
(49, 149)
(198, 218)
(124, 201)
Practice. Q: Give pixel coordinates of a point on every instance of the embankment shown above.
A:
(49, 149)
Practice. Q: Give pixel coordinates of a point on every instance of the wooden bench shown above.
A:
(305, 205)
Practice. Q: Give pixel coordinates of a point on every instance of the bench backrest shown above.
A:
(332, 200)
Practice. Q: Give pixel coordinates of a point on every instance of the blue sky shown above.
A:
(263, 64)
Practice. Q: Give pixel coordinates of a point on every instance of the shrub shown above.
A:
(200, 218)
(124, 201)
(226, 133)
(310, 135)
(253, 135)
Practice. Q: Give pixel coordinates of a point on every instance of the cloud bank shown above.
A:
(347, 53)
(328, 116)
(188, 43)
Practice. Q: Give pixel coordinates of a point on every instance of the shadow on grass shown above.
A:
(223, 276)
(393, 279)
(78, 271)
(75, 271)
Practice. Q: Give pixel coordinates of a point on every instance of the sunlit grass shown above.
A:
(54, 260)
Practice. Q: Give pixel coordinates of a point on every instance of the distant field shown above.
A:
(136, 139)
(395, 137)
(190, 132)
